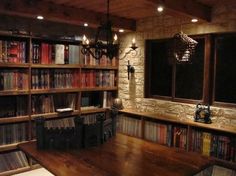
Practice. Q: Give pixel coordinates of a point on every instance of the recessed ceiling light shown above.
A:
(194, 20)
(40, 17)
(160, 8)
(121, 30)
(85, 24)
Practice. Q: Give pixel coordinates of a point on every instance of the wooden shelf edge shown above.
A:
(104, 67)
(14, 65)
(88, 89)
(56, 66)
(173, 119)
(14, 119)
(48, 91)
(35, 166)
(55, 115)
(95, 110)
(13, 92)
(9, 147)
(16, 171)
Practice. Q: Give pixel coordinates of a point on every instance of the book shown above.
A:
(59, 54)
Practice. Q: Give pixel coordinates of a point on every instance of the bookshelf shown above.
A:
(206, 139)
(39, 76)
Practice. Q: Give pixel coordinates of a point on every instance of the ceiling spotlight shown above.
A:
(121, 30)
(85, 24)
(40, 17)
(194, 20)
(160, 8)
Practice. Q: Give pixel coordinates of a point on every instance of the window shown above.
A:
(158, 70)
(210, 78)
(225, 68)
(181, 81)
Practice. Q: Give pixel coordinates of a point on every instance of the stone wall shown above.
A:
(132, 91)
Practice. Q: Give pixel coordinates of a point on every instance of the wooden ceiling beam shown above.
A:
(187, 7)
(62, 14)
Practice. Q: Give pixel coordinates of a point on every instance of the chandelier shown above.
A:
(98, 47)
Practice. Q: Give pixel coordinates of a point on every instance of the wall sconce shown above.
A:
(130, 69)
(133, 47)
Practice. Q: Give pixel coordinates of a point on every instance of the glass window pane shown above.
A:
(225, 82)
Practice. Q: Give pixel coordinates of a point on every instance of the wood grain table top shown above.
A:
(120, 156)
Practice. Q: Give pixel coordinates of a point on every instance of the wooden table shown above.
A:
(120, 156)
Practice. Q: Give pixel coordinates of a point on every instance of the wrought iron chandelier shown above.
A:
(98, 47)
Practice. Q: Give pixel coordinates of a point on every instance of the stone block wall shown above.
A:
(132, 91)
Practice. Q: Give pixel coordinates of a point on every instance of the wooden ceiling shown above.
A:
(124, 13)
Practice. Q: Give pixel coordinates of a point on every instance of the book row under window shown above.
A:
(207, 142)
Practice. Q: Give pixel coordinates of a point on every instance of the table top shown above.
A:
(120, 156)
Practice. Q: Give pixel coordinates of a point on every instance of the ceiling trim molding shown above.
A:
(62, 14)
(187, 7)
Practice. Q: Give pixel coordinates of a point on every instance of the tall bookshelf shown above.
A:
(209, 140)
(39, 76)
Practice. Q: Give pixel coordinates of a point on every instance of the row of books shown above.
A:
(13, 79)
(158, 132)
(46, 53)
(12, 106)
(90, 118)
(130, 126)
(165, 134)
(49, 103)
(180, 137)
(60, 123)
(12, 51)
(104, 61)
(56, 78)
(219, 146)
(13, 133)
(98, 78)
(12, 161)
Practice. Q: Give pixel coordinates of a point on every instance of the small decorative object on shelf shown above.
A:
(202, 113)
(117, 104)
(60, 110)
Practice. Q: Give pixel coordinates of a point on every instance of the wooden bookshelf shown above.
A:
(174, 119)
(42, 72)
(187, 124)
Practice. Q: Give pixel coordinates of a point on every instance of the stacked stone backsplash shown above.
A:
(132, 91)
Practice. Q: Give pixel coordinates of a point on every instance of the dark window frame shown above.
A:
(215, 58)
(209, 71)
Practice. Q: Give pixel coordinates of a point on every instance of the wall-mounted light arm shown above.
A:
(130, 69)
(133, 47)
